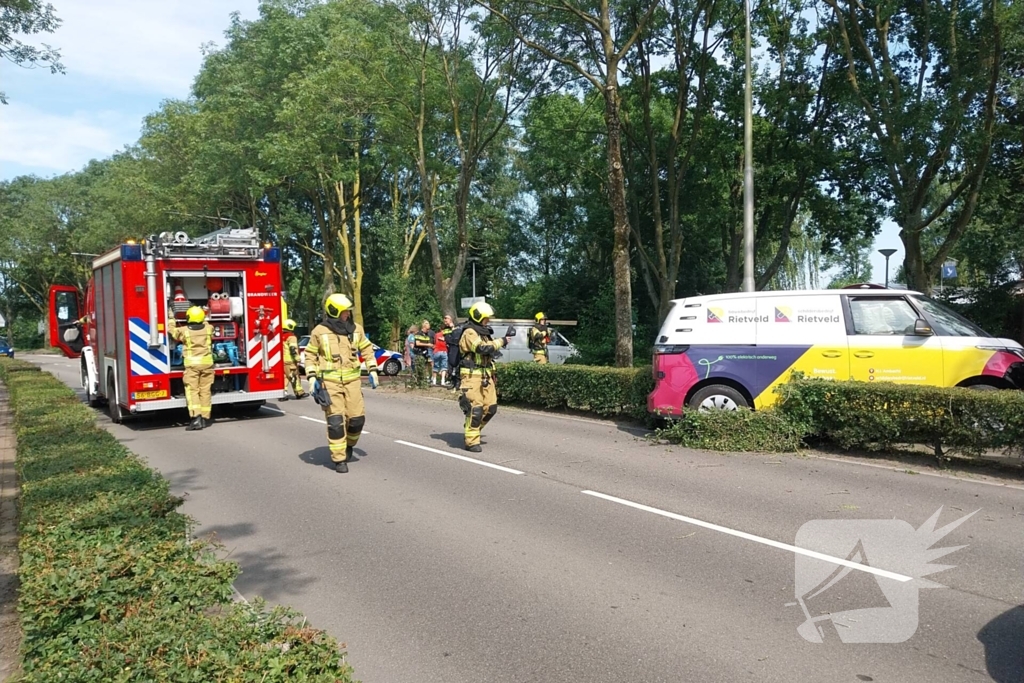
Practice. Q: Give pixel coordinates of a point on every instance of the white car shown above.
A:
(559, 348)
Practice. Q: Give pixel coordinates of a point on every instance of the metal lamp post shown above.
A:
(887, 253)
(748, 169)
(473, 260)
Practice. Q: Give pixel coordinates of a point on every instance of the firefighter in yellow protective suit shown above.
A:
(332, 358)
(197, 337)
(479, 399)
(538, 339)
(291, 359)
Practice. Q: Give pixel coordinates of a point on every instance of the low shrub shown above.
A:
(112, 589)
(766, 431)
(883, 415)
(610, 392)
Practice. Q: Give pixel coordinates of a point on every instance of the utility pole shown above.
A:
(748, 169)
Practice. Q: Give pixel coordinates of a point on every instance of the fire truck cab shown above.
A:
(138, 291)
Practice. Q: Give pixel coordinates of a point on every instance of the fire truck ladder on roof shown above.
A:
(238, 243)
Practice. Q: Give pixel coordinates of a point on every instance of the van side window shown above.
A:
(882, 315)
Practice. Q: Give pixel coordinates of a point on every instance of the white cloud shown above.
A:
(149, 44)
(57, 142)
(122, 58)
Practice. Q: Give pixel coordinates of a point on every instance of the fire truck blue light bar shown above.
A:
(131, 252)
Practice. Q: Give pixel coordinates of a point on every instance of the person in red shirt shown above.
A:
(440, 355)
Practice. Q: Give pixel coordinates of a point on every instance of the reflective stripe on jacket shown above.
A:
(470, 345)
(424, 343)
(198, 344)
(334, 356)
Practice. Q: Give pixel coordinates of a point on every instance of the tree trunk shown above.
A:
(620, 250)
(914, 269)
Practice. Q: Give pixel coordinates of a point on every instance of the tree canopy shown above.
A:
(580, 158)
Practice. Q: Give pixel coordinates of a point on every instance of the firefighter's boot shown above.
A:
(341, 467)
(350, 454)
(475, 448)
(195, 425)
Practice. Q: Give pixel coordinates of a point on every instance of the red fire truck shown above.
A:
(138, 290)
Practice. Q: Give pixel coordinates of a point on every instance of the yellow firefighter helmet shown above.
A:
(480, 311)
(195, 314)
(336, 304)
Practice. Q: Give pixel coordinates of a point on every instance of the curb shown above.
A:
(10, 626)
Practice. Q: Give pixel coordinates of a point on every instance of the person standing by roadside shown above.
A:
(291, 358)
(538, 339)
(197, 337)
(423, 347)
(441, 350)
(439, 374)
(410, 346)
(332, 357)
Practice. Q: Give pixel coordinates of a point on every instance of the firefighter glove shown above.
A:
(374, 382)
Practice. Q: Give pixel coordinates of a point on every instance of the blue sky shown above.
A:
(123, 58)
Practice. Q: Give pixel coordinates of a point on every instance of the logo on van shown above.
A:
(716, 315)
(783, 314)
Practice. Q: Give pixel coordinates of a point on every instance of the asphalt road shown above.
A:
(589, 554)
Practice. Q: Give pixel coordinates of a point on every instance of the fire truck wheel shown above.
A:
(113, 407)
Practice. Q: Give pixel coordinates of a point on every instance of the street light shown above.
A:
(473, 260)
(887, 253)
(748, 170)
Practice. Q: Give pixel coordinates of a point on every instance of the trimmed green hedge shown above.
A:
(878, 416)
(111, 587)
(610, 392)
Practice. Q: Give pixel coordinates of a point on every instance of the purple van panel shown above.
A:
(752, 367)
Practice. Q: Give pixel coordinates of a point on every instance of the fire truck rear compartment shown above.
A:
(223, 298)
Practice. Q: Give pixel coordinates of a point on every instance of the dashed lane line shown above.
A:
(751, 537)
(459, 457)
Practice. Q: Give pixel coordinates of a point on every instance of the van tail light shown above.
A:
(669, 349)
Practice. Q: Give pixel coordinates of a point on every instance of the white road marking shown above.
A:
(459, 457)
(757, 539)
(303, 417)
(926, 474)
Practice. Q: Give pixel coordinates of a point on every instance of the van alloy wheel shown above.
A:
(718, 397)
(718, 402)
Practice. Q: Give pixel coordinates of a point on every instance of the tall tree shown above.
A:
(483, 72)
(587, 38)
(922, 79)
(680, 101)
